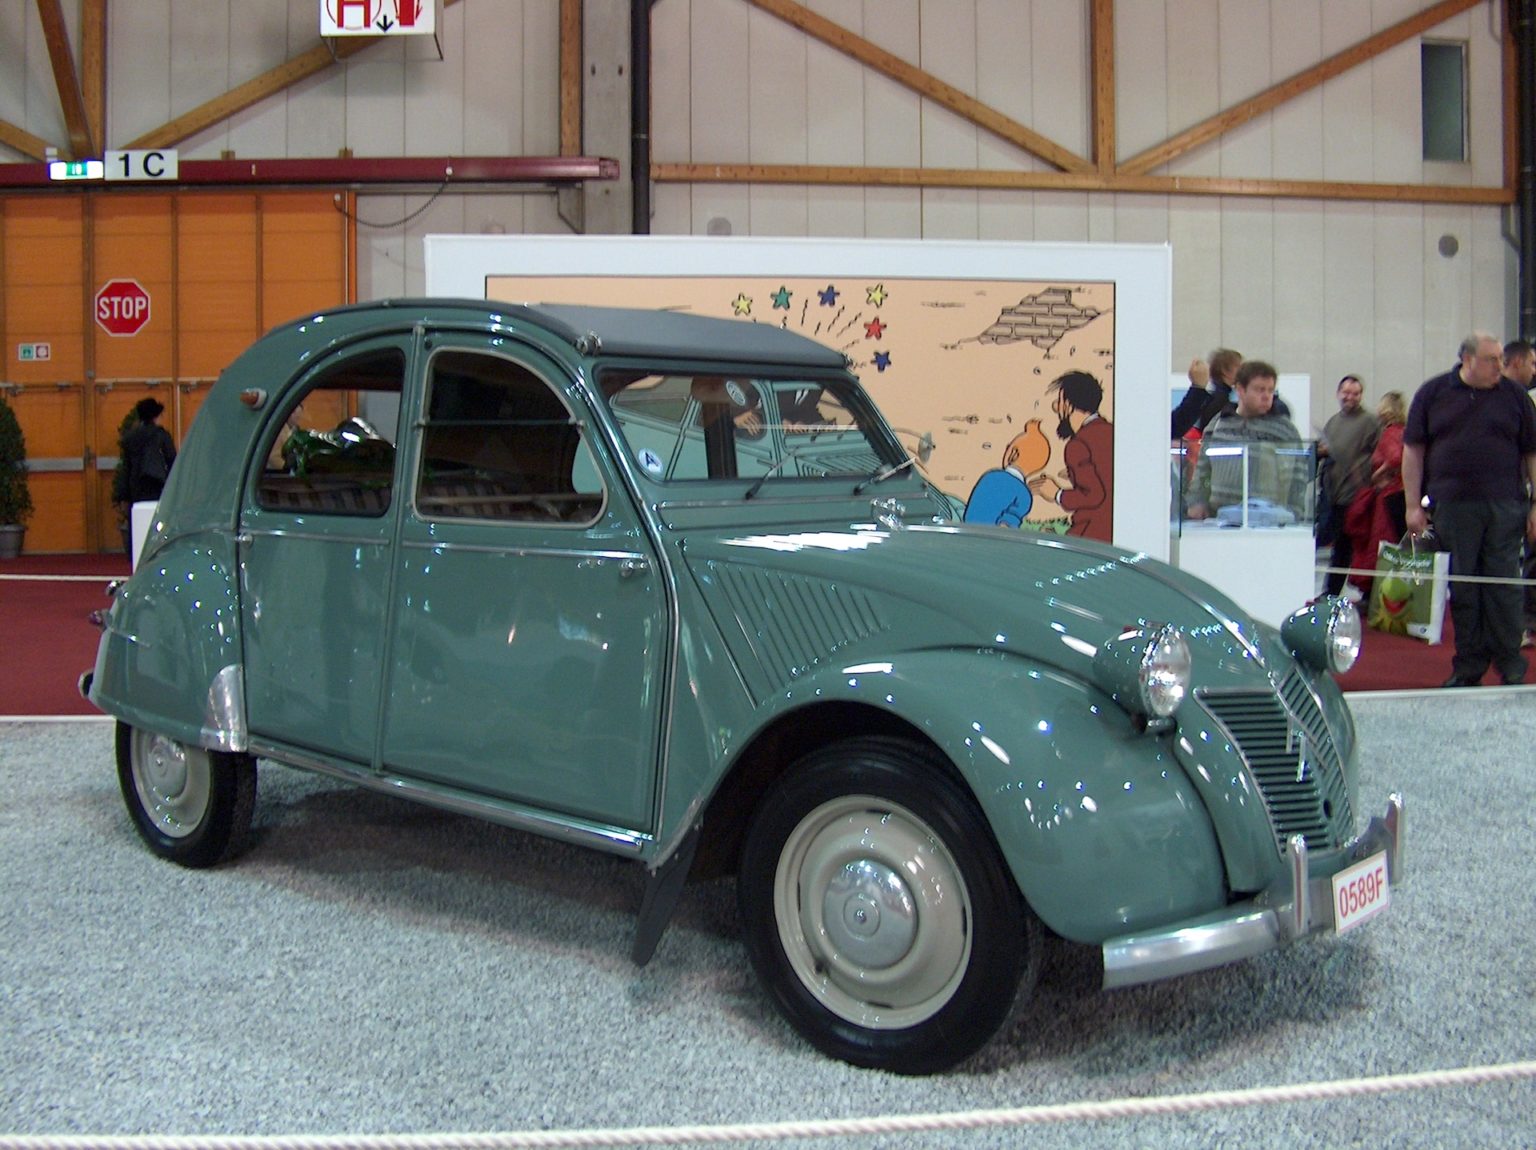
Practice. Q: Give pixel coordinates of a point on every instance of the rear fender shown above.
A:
(170, 656)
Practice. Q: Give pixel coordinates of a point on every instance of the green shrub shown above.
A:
(15, 497)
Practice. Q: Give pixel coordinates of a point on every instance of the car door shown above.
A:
(317, 524)
(528, 647)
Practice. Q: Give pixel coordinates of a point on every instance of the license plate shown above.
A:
(1361, 892)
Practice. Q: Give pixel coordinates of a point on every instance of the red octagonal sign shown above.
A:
(122, 307)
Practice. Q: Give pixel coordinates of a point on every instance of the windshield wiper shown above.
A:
(763, 478)
(881, 474)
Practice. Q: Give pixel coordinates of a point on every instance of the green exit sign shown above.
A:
(76, 170)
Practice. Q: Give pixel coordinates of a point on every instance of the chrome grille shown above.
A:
(1287, 746)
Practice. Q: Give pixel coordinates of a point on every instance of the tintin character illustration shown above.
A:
(1002, 496)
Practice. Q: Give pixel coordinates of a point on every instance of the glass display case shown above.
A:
(1252, 486)
(1242, 519)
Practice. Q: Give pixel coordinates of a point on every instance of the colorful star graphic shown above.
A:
(828, 296)
(882, 360)
(742, 304)
(877, 294)
(781, 297)
(874, 329)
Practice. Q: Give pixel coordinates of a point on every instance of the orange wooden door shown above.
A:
(42, 311)
(217, 268)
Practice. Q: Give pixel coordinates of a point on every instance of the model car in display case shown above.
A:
(670, 587)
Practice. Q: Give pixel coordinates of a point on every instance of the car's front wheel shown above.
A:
(190, 805)
(878, 910)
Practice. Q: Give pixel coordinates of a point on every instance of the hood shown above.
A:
(801, 595)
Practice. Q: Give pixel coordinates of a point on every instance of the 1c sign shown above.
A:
(161, 164)
(122, 307)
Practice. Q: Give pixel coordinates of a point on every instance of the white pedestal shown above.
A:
(1269, 572)
(140, 519)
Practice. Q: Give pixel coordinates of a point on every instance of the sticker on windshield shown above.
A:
(650, 461)
(737, 393)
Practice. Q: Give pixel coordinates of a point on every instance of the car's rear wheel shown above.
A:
(190, 805)
(879, 912)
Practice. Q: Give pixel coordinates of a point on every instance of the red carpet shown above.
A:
(46, 639)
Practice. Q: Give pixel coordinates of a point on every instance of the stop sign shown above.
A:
(122, 307)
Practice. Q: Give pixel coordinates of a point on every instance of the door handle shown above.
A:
(629, 568)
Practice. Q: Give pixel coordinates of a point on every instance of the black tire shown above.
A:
(189, 805)
(911, 977)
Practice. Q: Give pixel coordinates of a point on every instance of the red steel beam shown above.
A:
(358, 171)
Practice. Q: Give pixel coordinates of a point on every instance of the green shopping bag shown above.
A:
(1409, 592)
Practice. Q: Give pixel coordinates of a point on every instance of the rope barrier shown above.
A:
(1372, 572)
(828, 1128)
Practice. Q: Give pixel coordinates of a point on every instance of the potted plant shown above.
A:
(15, 498)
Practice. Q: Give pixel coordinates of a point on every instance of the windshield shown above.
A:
(682, 427)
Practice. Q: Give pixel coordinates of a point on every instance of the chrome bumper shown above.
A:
(1250, 928)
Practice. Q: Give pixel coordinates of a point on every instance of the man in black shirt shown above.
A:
(1470, 445)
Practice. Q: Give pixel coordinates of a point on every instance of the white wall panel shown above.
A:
(496, 57)
(1004, 71)
(1397, 122)
(197, 74)
(375, 123)
(1296, 43)
(1141, 77)
(1398, 269)
(1243, 71)
(834, 94)
(1193, 40)
(1059, 74)
(947, 50)
(14, 59)
(1141, 219)
(1195, 235)
(1061, 217)
(1300, 317)
(257, 33)
(1447, 285)
(776, 87)
(1005, 216)
(1347, 99)
(433, 97)
(892, 116)
(138, 70)
(1248, 277)
(1349, 297)
(720, 121)
(1485, 97)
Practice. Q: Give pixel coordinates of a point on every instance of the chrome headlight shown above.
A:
(1145, 670)
(1325, 633)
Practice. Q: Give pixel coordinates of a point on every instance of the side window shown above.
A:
(498, 443)
(334, 450)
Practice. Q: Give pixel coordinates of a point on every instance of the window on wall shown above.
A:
(1443, 66)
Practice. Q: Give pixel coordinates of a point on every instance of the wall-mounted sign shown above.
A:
(379, 17)
(122, 307)
(74, 170)
(34, 352)
(159, 164)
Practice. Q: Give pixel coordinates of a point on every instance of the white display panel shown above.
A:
(971, 408)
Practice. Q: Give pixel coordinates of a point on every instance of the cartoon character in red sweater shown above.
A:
(1089, 457)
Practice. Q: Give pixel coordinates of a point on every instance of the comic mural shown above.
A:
(1002, 389)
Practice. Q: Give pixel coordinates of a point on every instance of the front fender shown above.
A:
(169, 658)
(1100, 826)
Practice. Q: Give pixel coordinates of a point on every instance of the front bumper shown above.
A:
(1245, 929)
